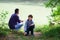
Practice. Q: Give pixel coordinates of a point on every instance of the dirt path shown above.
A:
(20, 36)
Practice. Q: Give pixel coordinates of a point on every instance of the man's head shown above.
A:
(30, 17)
(16, 11)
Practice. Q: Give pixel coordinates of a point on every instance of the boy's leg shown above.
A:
(27, 32)
(32, 30)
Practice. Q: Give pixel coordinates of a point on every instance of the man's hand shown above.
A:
(21, 20)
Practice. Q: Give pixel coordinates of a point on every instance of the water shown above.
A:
(39, 13)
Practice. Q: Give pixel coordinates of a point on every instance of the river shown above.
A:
(39, 12)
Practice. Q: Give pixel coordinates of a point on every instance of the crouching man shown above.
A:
(15, 22)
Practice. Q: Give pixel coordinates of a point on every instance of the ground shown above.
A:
(20, 36)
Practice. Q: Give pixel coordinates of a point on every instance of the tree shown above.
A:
(52, 3)
(55, 8)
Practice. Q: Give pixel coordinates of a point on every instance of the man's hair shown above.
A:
(16, 10)
(30, 16)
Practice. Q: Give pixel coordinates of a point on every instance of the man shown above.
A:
(14, 22)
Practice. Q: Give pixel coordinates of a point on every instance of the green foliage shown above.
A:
(55, 5)
(38, 29)
(51, 31)
(3, 26)
(4, 31)
(3, 16)
(56, 12)
(52, 3)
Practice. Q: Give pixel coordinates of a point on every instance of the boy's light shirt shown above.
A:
(25, 25)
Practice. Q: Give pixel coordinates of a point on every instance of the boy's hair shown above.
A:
(30, 16)
(16, 10)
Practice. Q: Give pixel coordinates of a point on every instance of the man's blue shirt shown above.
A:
(13, 21)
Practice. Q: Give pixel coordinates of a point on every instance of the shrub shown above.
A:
(3, 32)
(37, 28)
(51, 31)
(3, 26)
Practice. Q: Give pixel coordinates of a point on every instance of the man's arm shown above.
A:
(17, 19)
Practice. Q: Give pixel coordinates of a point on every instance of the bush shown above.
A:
(3, 26)
(37, 28)
(3, 32)
(51, 31)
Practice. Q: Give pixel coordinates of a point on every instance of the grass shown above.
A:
(20, 36)
(48, 33)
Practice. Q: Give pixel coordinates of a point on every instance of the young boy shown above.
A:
(29, 26)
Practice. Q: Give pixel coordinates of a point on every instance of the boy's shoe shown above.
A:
(33, 35)
(26, 35)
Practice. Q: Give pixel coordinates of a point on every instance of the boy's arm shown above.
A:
(32, 23)
(25, 27)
